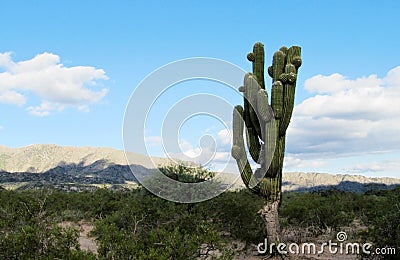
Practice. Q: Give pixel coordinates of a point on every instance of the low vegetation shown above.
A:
(135, 224)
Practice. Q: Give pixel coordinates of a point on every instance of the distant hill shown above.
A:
(301, 181)
(68, 167)
(39, 158)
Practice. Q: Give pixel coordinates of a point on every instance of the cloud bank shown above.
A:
(376, 166)
(346, 117)
(45, 78)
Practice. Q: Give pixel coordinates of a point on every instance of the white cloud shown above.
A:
(292, 163)
(376, 166)
(200, 155)
(350, 117)
(153, 140)
(12, 97)
(225, 137)
(44, 109)
(336, 83)
(47, 79)
(83, 108)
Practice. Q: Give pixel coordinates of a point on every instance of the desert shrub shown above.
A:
(186, 173)
(183, 174)
(321, 210)
(34, 241)
(153, 229)
(28, 231)
(236, 212)
(383, 220)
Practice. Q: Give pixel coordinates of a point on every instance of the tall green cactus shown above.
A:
(266, 127)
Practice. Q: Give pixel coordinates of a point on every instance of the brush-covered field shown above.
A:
(134, 224)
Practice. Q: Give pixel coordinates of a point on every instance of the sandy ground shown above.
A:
(85, 242)
(299, 236)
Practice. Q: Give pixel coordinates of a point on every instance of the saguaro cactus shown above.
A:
(266, 127)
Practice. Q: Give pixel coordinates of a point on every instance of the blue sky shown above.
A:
(97, 52)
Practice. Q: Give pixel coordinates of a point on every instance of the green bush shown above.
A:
(28, 231)
(183, 174)
(329, 209)
(383, 220)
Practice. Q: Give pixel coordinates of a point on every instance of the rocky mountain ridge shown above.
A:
(39, 165)
(39, 158)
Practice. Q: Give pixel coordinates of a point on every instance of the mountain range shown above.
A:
(71, 168)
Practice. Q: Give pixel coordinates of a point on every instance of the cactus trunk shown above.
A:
(266, 127)
(270, 215)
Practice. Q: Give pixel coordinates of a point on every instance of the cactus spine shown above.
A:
(266, 127)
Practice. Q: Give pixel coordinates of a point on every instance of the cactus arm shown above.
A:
(264, 110)
(251, 133)
(288, 97)
(238, 149)
(248, 113)
(293, 56)
(278, 66)
(257, 58)
(252, 87)
(253, 143)
(284, 49)
(291, 69)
